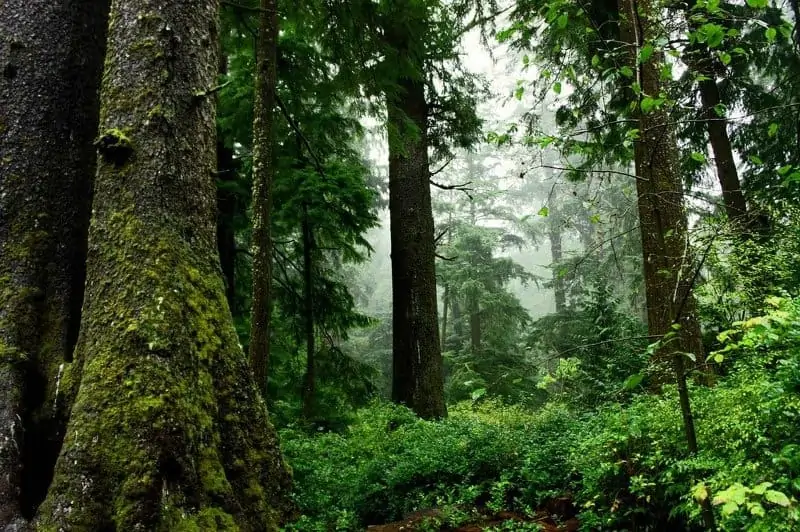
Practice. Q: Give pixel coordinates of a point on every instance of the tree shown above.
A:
(51, 56)
(263, 176)
(167, 430)
(417, 368)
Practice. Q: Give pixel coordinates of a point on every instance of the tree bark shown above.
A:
(418, 380)
(557, 255)
(732, 195)
(51, 57)
(668, 268)
(308, 301)
(445, 305)
(700, 60)
(475, 323)
(167, 431)
(263, 176)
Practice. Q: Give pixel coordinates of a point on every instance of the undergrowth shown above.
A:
(625, 466)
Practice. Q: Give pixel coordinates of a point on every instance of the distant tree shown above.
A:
(263, 175)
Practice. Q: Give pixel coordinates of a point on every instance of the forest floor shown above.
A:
(562, 521)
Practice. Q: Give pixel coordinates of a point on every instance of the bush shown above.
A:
(625, 466)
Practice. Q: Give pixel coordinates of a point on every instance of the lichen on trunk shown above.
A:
(167, 431)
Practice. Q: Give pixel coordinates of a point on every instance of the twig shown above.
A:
(445, 165)
(299, 132)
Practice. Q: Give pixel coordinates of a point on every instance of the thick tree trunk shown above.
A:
(226, 228)
(51, 57)
(263, 176)
(418, 379)
(662, 214)
(167, 431)
(668, 265)
(308, 301)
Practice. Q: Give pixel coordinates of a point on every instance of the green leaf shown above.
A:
(725, 57)
(645, 53)
(557, 87)
(699, 157)
(757, 4)
(729, 507)
(770, 34)
(563, 20)
(777, 497)
(544, 211)
(720, 109)
(647, 104)
(773, 129)
(626, 71)
(595, 60)
(718, 358)
(700, 492)
(518, 92)
(762, 488)
(633, 381)
(477, 394)
(755, 159)
(783, 170)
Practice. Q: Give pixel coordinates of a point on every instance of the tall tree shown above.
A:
(668, 265)
(51, 57)
(418, 377)
(263, 176)
(167, 431)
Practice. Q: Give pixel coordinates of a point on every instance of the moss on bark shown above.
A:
(167, 431)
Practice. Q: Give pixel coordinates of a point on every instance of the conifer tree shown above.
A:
(51, 57)
(167, 431)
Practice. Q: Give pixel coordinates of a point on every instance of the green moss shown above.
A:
(207, 520)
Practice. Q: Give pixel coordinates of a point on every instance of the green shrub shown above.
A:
(625, 466)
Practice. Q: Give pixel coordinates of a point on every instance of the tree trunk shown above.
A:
(418, 378)
(308, 300)
(557, 255)
(445, 305)
(51, 57)
(167, 431)
(263, 176)
(700, 60)
(668, 268)
(226, 229)
(458, 325)
(732, 195)
(474, 324)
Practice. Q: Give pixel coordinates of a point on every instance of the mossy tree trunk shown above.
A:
(263, 176)
(418, 380)
(51, 58)
(167, 431)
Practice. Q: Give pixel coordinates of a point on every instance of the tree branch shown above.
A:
(294, 125)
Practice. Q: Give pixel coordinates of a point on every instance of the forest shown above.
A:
(392, 265)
